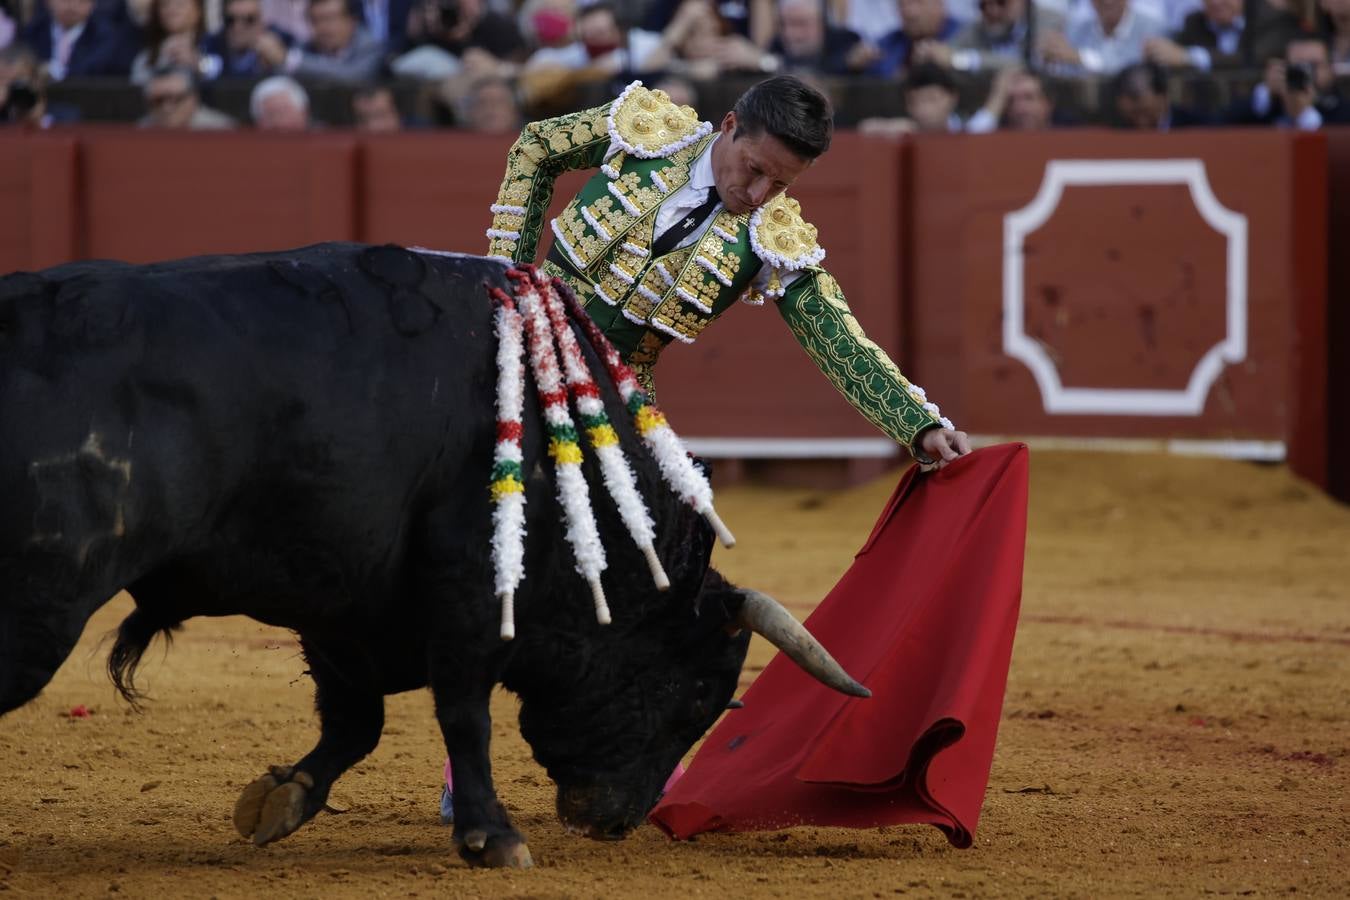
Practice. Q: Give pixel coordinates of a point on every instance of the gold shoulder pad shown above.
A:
(781, 238)
(647, 124)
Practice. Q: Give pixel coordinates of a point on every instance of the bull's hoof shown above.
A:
(500, 851)
(272, 806)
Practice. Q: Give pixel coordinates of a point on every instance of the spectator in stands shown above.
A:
(807, 43)
(446, 35)
(930, 105)
(1106, 42)
(20, 100)
(375, 110)
(1338, 28)
(602, 45)
(279, 103)
(1018, 101)
(459, 26)
(996, 40)
(699, 44)
(232, 52)
(692, 45)
(173, 37)
(1299, 91)
(491, 107)
(597, 49)
(752, 19)
(173, 101)
(924, 21)
(23, 92)
(1142, 103)
(340, 50)
(1220, 37)
(76, 42)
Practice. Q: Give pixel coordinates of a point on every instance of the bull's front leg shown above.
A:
(483, 830)
(351, 717)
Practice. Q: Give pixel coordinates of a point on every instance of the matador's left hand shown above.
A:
(944, 445)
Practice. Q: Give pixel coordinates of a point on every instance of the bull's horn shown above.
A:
(766, 617)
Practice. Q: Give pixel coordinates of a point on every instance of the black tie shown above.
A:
(672, 236)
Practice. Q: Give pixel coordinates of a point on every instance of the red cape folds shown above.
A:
(925, 619)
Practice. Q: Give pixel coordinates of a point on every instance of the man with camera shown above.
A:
(23, 93)
(1298, 91)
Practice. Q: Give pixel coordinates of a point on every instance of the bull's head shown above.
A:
(609, 712)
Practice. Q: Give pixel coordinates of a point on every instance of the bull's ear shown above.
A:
(721, 599)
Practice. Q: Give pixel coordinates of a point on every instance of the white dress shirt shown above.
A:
(689, 197)
(1107, 54)
(57, 65)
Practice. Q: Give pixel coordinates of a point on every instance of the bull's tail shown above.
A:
(134, 636)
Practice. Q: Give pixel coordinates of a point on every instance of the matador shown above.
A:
(683, 220)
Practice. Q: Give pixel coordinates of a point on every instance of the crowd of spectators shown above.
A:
(488, 63)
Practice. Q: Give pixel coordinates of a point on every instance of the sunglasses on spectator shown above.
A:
(998, 3)
(231, 21)
(158, 101)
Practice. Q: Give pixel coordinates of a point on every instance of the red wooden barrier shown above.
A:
(150, 196)
(1106, 284)
(37, 194)
(434, 190)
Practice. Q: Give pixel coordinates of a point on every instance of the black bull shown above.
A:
(305, 438)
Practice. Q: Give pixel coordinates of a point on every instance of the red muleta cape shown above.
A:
(925, 619)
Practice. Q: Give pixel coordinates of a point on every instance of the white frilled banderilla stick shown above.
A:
(573, 493)
(614, 466)
(676, 465)
(507, 483)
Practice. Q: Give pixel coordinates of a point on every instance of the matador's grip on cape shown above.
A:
(925, 619)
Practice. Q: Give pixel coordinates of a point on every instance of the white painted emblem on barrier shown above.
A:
(1060, 174)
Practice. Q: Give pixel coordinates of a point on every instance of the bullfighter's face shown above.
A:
(621, 712)
(750, 170)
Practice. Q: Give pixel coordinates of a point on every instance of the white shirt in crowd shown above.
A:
(63, 44)
(1106, 54)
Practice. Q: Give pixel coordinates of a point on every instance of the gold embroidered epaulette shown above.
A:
(781, 238)
(647, 124)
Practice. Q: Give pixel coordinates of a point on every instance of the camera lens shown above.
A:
(19, 101)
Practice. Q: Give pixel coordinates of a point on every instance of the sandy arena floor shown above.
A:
(1177, 723)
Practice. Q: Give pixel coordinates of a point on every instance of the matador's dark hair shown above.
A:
(789, 109)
